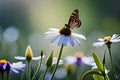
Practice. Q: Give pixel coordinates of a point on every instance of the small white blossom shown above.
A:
(80, 59)
(14, 67)
(28, 55)
(106, 40)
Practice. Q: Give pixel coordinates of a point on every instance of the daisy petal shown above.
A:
(66, 40)
(61, 40)
(115, 40)
(55, 38)
(54, 29)
(115, 36)
(76, 41)
(20, 58)
(15, 67)
(50, 32)
(79, 36)
(37, 58)
(70, 60)
(71, 41)
(100, 39)
(94, 67)
(50, 35)
(98, 44)
(14, 70)
(88, 60)
(18, 65)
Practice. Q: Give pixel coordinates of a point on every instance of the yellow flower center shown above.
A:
(3, 61)
(65, 31)
(107, 38)
(79, 55)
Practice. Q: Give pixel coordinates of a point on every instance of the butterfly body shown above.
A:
(74, 21)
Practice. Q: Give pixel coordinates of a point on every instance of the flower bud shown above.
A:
(29, 53)
(49, 60)
(69, 68)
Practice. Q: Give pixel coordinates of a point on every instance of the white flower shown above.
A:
(107, 40)
(14, 67)
(24, 58)
(79, 59)
(28, 55)
(64, 35)
(90, 62)
(55, 61)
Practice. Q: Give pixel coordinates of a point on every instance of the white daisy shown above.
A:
(14, 67)
(64, 35)
(28, 55)
(107, 40)
(79, 59)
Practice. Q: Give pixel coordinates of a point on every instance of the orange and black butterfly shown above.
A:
(74, 21)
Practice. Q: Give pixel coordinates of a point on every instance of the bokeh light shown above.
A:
(11, 34)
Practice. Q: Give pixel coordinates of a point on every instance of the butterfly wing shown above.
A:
(74, 21)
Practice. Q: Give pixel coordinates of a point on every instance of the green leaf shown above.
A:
(107, 77)
(98, 77)
(98, 63)
(90, 72)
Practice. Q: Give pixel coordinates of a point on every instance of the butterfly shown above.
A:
(74, 21)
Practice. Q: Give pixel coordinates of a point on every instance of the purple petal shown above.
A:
(55, 38)
(61, 40)
(66, 40)
(71, 41)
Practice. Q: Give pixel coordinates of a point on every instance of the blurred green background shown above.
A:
(24, 22)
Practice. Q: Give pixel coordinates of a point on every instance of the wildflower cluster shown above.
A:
(68, 68)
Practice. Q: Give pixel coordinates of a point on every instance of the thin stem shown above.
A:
(104, 65)
(69, 77)
(8, 75)
(104, 77)
(60, 53)
(38, 68)
(113, 68)
(2, 75)
(28, 71)
(45, 73)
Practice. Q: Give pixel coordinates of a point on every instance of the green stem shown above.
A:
(77, 71)
(45, 73)
(69, 77)
(60, 53)
(28, 71)
(104, 77)
(2, 75)
(104, 65)
(8, 75)
(38, 68)
(113, 68)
